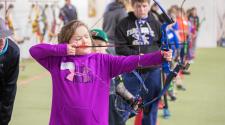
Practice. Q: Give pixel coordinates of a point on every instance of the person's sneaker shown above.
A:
(166, 113)
(180, 87)
(172, 96)
(191, 61)
(186, 72)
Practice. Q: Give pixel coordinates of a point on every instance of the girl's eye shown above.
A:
(77, 38)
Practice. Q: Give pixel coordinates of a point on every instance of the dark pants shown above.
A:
(152, 80)
(7, 97)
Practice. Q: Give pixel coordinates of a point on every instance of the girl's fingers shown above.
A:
(168, 55)
(74, 45)
(71, 50)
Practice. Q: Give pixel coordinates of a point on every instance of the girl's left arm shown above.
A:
(43, 53)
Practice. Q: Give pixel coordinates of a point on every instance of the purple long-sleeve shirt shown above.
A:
(81, 83)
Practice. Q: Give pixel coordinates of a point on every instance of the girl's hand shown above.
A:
(167, 55)
(71, 49)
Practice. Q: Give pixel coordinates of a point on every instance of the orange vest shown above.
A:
(182, 28)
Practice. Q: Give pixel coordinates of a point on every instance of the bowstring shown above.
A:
(97, 22)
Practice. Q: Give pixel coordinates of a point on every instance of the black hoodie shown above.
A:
(9, 70)
(128, 33)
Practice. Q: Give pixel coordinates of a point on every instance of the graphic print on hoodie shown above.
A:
(142, 33)
(134, 31)
(77, 73)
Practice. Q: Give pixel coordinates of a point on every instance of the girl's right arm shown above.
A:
(43, 53)
(122, 64)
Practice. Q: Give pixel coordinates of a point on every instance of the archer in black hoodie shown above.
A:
(143, 31)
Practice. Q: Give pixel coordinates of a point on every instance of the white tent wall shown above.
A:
(220, 16)
(82, 9)
(22, 8)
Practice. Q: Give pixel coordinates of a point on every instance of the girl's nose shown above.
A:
(84, 41)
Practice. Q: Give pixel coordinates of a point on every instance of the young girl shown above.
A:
(81, 79)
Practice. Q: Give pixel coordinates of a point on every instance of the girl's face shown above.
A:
(100, 49)
(81, 38)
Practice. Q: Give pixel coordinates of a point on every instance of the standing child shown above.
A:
(9, 71)
(118, 93)
(139, 33)
(81, 78)
(100, 38)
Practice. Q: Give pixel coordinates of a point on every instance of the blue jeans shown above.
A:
(152, 80)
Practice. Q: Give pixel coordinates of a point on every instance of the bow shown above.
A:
(166, 67)
(170, 74)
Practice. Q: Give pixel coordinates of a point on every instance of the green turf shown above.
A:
(202, 104)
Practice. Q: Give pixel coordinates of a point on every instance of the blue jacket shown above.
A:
(173, 40)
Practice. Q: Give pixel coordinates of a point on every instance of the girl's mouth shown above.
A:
(83, 46)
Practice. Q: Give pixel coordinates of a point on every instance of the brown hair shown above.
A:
(124, 2)
(68, 30)
(140, 1)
